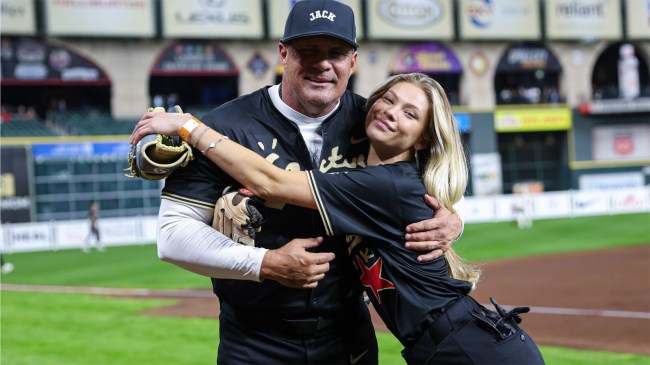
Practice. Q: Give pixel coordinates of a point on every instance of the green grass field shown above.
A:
(67, 329)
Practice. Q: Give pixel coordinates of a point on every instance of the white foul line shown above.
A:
(208, 293)
(582, 312)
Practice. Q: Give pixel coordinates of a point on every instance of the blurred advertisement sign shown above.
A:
(637, 14)
(28, 61)
(486, 174)
(100, 18)
(552, 205)
(612, 181)
(410, 19)
(18, 17)
(532, 120)
(278, 11)
(615, 106)
(463, 122)
(194, 58)
(80, 151)
(478, 209)
(526, 57)
(15, 199)
(590, 203)
(426, 58)
(583, 19)
(499, 19)
(214, 19)
(27, 237)
(621, 142)
(629, 201)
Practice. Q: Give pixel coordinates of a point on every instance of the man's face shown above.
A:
(316, 73)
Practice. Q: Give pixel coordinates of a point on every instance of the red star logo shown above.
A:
(371, 277)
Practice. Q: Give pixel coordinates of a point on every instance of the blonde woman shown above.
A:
(425, 305)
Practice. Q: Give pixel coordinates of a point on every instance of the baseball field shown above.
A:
(586, 279)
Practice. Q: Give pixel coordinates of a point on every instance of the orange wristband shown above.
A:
(188, 127)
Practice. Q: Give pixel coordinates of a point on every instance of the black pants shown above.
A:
(464, 335)
(254, 338)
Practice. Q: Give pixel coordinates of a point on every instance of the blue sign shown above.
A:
(75, 151)
(464, 122)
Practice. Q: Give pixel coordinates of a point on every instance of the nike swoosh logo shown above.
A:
(357, 140)
(355, 359)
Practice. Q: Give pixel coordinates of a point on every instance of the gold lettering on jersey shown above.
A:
(352, 241)
(336, 160)
(366, 254)
(272, 157)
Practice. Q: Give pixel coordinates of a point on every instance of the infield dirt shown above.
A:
(597, 300)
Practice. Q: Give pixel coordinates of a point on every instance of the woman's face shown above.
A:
(396, 121)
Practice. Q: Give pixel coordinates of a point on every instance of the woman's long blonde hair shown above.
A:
(445, 173)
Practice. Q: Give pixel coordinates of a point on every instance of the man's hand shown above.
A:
(293, 266)
(436, 234)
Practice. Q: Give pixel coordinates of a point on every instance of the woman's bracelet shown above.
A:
(199, 136)
(213, 145)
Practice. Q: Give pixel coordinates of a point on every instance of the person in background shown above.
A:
(93, 237)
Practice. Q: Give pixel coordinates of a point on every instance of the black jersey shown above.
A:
(373, 206)
(254, 122)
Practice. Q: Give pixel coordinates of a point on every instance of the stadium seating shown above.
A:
(26, 128)
(80, 123)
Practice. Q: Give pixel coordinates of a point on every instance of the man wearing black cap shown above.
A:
(277, 304)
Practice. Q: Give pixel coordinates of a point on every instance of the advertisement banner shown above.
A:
(630, 201)
(552, 205)
(426, 58)
(528, 57)
(532, 120)
(637, 14)
(100, 18)
(26, 237)
(194, 58)
(583, 19)
(80, 151)
(505, 207)
(612, 181)
(478, 209)
(621, 142)
(28, 62)
(18, 17)
(590, 203)
(223, 19)
(15, 198)
(410, 19)
(119, 231)
(499, 19)
(486, 174)
(71, 234)
(278, 11)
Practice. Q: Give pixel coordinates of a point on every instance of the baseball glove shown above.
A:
(156, 156)
(237, 216)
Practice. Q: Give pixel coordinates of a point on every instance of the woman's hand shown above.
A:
(166, 124)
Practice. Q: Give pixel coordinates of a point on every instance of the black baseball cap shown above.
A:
(321, 17)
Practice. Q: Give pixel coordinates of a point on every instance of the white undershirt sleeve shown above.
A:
(186, 239)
